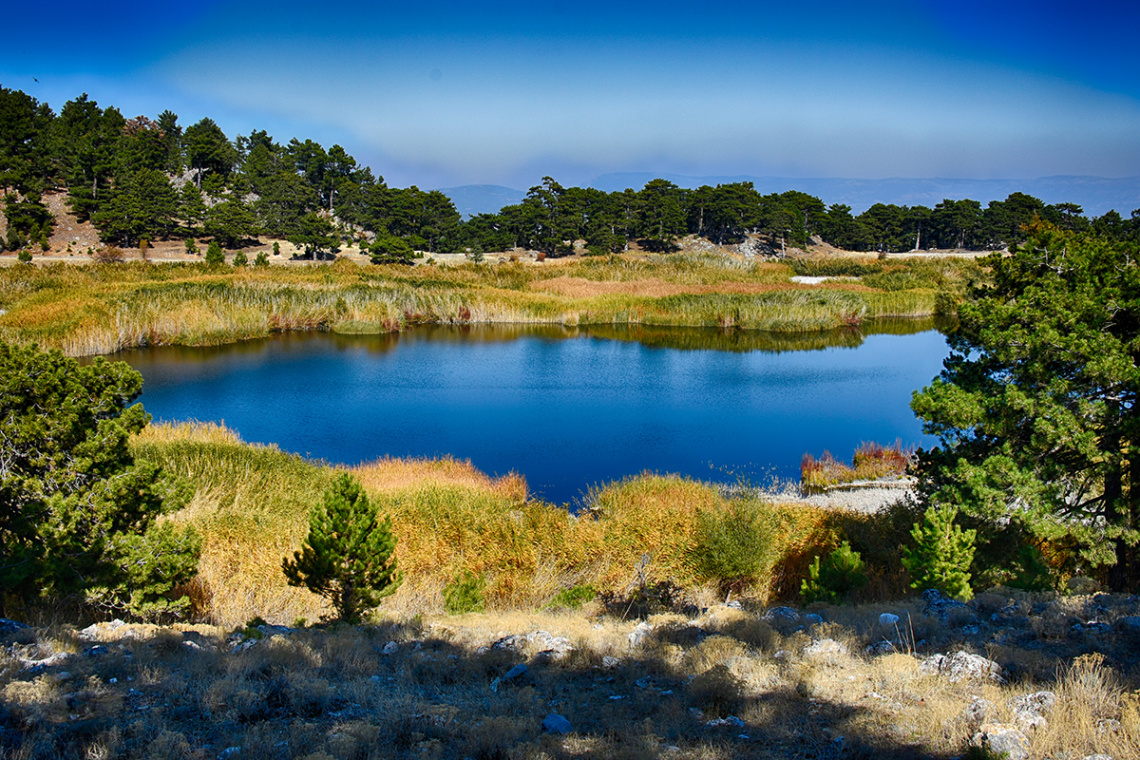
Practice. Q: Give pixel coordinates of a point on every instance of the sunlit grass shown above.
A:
(251, 504)
(99, 309)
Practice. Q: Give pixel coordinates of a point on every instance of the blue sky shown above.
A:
(440, 93)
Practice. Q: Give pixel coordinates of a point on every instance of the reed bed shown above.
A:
(251, 504)
(99, 309)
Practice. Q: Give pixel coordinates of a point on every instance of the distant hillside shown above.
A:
(1097, 195)
(471, 200)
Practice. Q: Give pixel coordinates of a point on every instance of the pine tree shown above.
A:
(79, 517)
(214, 254)
(347, 556)
(942, 554)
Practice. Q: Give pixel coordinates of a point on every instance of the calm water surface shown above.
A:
(568, 409)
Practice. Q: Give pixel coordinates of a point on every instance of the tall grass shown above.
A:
(84, 310)
(251, 504)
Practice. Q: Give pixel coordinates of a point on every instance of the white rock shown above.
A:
(888, 618)
(963, 666)
(556, 724)
(390, 648)
(1002, 738)
(638, 634)
(825, 648)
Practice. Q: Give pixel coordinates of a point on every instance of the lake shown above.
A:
(568, 408)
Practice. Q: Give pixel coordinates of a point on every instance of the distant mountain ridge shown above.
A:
(1096, 195)
(472, 200)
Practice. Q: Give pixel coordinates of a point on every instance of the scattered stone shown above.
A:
(390, 648)
(11, 626)
(970, 630)
(275, 630)
(96, 650)
(1097, 757)
(978, 711)
(639, 634)
(734, 605)
(518, 671)
(551, 648)
(1108, 726)
(783, 654)
(825, 648)
(813, 619)
(1037, 703)
(244, 645)
(1129, 625)
(781, 614)
(880, 648)
(1002, 738)
(888, 619)
(556, 724)
(63, 675)
(731, 720)
(1030, 724)
(962, 666)
(609, 662)
(940, 606)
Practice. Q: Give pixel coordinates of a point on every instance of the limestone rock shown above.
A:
(1002, 738)
(825, 648)
(978, 711)
(963, 666)
(556, 724)
(888, 619)
(639, 634)
(781, 615)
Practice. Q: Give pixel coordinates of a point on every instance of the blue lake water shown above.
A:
(567, 408)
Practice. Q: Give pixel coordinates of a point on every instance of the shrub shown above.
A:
(831, 580)
(942, 553)
(108, 255)
(240, 259)
(191, 247)
(214, 254)
(261, 260)
(572, 598)
(24, 256)
(464, 594)
(733, 546)
(347, 556)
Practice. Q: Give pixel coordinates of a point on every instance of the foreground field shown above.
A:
(709, 684)
(603, 635)
(98, 309)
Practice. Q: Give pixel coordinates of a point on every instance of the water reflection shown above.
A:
(567, 407)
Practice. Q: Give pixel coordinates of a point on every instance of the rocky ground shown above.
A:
(1026, 675)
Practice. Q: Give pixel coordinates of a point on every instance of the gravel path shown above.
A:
(867, 497)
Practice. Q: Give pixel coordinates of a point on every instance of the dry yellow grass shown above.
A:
(714, 684)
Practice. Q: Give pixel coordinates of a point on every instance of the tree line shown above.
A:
(143, 179)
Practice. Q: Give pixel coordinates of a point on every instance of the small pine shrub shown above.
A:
(24, 256)
(464, 594)
(214, 254)
(348, 555)
(261, 260)
(942, 554)
(276, 248)
(572, 598)
(191, 247)
(240, 259)
(833, 579)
